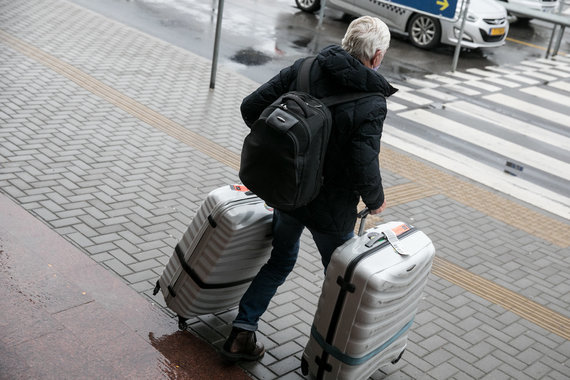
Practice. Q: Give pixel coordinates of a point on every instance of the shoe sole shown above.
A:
(240, 357)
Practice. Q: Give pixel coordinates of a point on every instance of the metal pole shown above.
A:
(557, 46)
(322, 13)
(550, 41)
(217, 44)
(561, 32)
(458, 46)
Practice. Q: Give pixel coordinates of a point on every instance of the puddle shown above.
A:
(187, 357)
(250, 57)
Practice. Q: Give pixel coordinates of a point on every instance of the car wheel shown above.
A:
(424, 31)
(309, 5)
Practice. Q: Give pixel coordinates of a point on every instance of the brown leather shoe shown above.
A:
(242, 345)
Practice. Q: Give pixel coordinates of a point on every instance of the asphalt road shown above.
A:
(259, 37)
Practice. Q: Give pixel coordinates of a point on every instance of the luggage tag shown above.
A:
(391, 235)
(395, 242)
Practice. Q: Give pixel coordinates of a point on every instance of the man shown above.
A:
(351, 167)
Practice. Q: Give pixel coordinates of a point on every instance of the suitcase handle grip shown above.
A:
(362, 216)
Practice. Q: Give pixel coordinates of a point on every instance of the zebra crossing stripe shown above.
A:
(394, 106)
(442, 79)
(412, 98)
(560, 85)
(533, 109)
(503, 82)
(490, 142)
(548, 95)
(439, 95)
(564, 68)
(422, 83)
(483, 86)
(559, 73)
(562, 58)
(462, 89)
(510, 123)
(403, 88)
(536, 64)
(521, 78)
(462, 75)
(540, 76)
(502, 70)
(475, 170)
(483, 73)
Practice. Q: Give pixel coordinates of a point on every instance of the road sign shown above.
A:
(441, 8)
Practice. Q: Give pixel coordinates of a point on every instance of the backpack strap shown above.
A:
(303, 77)
(345, 98)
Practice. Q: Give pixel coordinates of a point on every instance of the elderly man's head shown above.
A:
(367, 39)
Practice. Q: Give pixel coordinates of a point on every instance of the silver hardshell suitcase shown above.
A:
(368, 302)
(223, 248)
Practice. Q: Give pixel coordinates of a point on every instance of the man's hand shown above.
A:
(378, 210)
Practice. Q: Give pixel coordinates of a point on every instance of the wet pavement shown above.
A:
(259, 37)
(110, 140)
(63, 316)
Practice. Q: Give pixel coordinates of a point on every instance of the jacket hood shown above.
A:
(350, 72)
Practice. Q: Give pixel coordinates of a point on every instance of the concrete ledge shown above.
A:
(62, 315)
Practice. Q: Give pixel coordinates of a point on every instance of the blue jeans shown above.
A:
(286, 235)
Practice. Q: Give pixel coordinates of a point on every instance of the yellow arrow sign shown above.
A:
(444, 4)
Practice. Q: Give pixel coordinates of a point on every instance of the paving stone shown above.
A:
(140, 276)
(530, 355)
(286, 335)
(118, 267)
(443, 371)
(284, 366)
(488, 364)
(513, 373)
(286, 350)
(438, 357)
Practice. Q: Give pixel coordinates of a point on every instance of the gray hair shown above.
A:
(365, 36)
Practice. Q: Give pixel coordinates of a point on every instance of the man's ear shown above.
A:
(378, 56)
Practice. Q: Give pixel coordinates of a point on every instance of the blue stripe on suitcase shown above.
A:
(339, 355)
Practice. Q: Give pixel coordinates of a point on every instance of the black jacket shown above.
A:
(351, 165)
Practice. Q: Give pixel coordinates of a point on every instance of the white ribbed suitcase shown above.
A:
(368, 302)
(223, 248)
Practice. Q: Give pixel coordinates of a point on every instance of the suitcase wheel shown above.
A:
(398, 358)
(182, 325)
(304, 367)
(156, 289)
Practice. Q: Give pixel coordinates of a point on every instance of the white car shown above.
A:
(537, 5)
(549, 6)
(486, 23)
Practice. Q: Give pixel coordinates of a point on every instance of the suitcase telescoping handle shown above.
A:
(362, 215)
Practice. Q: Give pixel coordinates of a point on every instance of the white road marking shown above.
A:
(548, 95)
(412, 98)
(533, 109)
(511, 123)
(561, 85)
(500, 146)
(439, 95)
(472, 169)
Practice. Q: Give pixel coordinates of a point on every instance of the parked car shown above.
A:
(486, 23)
(537, 5)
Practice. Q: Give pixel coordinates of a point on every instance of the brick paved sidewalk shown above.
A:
(112, 138)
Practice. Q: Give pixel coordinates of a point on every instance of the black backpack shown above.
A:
(283, 156)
